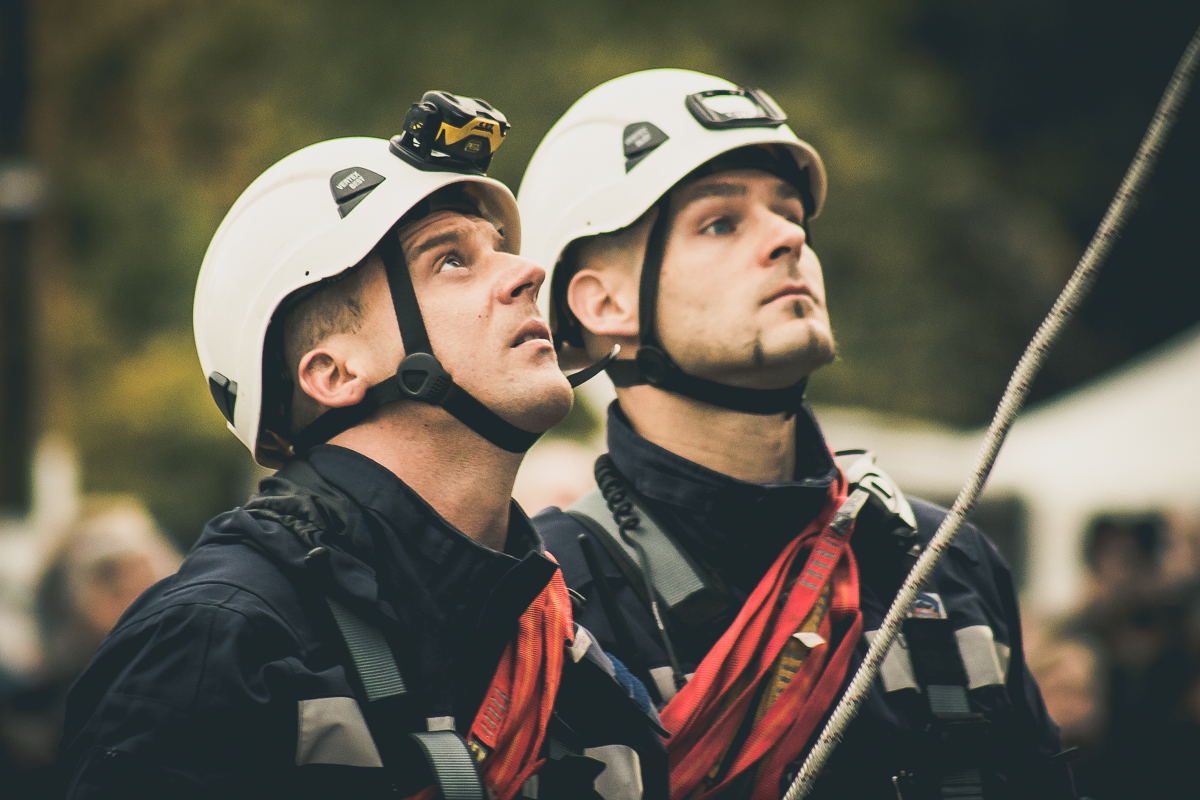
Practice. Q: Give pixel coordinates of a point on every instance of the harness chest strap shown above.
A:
(510, 729)
(452, 764)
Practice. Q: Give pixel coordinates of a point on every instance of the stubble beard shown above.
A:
(814, 352)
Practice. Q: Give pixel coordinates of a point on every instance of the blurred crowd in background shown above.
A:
(1120, 672)
(972, 148)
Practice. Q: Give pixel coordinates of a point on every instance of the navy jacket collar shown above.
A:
(662, 475)
(736, 526)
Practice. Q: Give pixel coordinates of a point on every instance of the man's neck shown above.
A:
(750, 447)
(464, 478)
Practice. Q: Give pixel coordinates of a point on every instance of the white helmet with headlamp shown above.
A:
(616, 153)
(304, 222)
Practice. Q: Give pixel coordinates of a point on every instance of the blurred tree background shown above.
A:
(972, 148)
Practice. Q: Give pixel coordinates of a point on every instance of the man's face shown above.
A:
(741, 297)
(480, 309)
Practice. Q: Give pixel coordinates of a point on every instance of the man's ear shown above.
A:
(604, 302)
(331, 378)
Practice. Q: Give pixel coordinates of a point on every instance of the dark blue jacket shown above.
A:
(737, 529)
(229, 679)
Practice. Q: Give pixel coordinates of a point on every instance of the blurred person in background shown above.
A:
(1141, 627)
(380, 619)
(98, 567)
(676, 209)
(555, 473)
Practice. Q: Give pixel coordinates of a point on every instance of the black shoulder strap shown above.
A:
(675, 576)
(384, 700)
(675, 589)
(444, 751)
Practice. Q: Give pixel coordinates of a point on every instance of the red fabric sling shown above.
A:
(511, 723)
(758, 652)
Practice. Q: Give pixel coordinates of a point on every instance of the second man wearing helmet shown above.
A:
(717, 555)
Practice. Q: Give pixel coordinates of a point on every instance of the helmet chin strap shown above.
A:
(420, 375)
(654, 366)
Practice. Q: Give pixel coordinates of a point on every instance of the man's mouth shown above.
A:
(532, 331)
(791, 290)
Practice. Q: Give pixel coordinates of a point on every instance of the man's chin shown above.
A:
(774, 368)
(802, 355)
(541, 404)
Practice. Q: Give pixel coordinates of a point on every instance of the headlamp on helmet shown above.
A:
(448, 132)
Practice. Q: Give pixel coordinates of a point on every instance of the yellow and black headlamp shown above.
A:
(451, 133)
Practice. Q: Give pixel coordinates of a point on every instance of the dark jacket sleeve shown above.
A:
(1028, 737)
(183, 701)
(1048, 770)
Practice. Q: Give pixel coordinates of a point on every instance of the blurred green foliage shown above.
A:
(155, 114)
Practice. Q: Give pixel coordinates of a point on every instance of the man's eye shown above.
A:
(720, 227)
(451, 262)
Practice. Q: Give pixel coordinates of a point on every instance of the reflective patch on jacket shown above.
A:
(985, 659)
(896, 672)
(981, 656)
(622, 775)
(332, 730)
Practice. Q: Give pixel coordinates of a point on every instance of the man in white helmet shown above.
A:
(727, 556)
(380, 619)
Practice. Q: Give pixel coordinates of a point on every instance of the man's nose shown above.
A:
(785, 238)
(521, 276)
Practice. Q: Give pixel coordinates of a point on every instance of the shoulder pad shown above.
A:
(861, 470)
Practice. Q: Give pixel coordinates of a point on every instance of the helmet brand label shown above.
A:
(351, 182)
(639, 140)
(351, 186)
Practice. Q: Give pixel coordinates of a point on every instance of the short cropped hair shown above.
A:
(333, 309)
(305, 319)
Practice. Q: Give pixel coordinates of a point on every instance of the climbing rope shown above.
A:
(1064, 309)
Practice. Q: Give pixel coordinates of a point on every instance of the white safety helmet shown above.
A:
(619, 150)
(308, 218)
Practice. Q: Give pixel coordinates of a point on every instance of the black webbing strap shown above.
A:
(445, 752)
(654, 366)
(652, 261)
(630, 372)
(404, 296)
(960, 735)
(481, 419)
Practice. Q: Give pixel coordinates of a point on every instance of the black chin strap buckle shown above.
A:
(654, 365)
(420, 376)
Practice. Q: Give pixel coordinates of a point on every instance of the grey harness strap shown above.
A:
(445, 751)
(676, 578)
(373, 659)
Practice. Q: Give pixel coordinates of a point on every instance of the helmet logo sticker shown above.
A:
(640, 139)
(351, 186)
(224, 392)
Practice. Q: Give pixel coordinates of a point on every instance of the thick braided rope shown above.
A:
(1010, 403)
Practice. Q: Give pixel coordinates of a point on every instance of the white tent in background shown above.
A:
(1127, 443)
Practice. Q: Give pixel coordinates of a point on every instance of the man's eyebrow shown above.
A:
(786, 191)
(693, 193)
(456, 236)
(449, 237)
